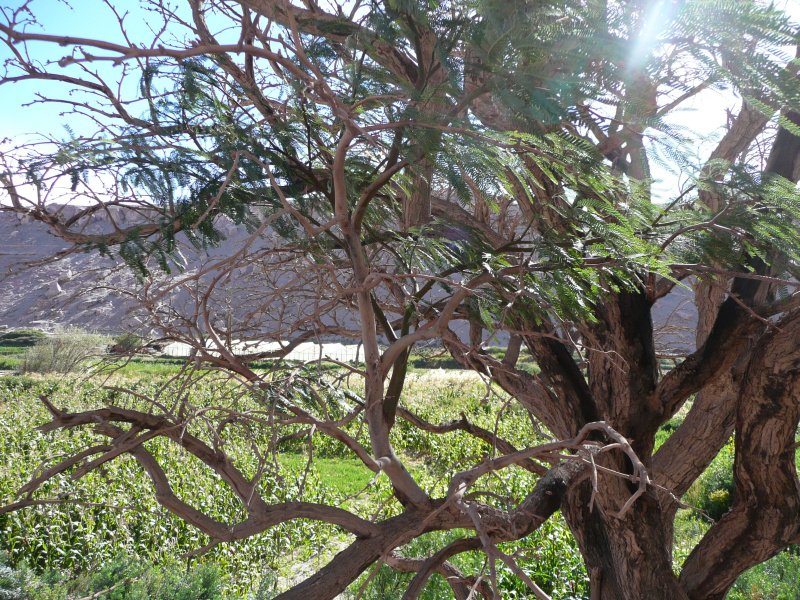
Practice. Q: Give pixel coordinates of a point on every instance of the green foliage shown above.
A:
(610, 235)
(143, 368)
(201, 151)
(688, 531)
(63, 352)
(68, 542)
(19, 383)
(121, 578)
(14, 583)
(776, 579)
(670, 426)
(388, 584)
(75, 538)
(552, 560)
(714, 489)
(22, 338)
(10, 361)
(112, 517)
(344, 476)
(712, 493)
(127, 342)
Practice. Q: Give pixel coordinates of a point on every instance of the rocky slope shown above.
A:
(42, 290)
(82, 290)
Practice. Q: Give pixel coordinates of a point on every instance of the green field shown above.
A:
(56, 552)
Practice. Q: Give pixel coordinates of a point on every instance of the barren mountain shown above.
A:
(43, 289)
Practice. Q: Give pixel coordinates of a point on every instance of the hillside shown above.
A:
(88, 291)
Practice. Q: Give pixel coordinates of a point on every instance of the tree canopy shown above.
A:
(406, 166)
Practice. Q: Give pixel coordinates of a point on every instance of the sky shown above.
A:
(58, 17)
(705, 114)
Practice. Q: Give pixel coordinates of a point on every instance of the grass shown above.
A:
(12, 350)
(343, 476)
(139, 367)
(11, 357)
(776, 579)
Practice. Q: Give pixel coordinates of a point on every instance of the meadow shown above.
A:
(109, 533)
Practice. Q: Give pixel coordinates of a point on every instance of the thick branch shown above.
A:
(731, 331)
(765, 515)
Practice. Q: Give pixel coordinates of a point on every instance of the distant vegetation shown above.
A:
(127, 342)
(64, 352)
(22, 338)
(31, 351)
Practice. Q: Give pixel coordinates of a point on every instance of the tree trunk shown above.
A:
(627, 558)
(765, 516)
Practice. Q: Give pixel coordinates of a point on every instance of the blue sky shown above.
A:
(93, 19)
(86, 18)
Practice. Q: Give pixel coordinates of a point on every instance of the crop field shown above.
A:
(108, 530)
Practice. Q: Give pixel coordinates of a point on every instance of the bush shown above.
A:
(127, 342)
(775, 579)
(713, 491)
(124, 578)
(63, 352)
(716, 484)
(14, 583)
(22, 338)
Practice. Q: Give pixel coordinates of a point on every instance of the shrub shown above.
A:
(716, 484)
(22, 338)
(267, 587)
(14, 583)
(63, 352)
(713, 491)
(127, 342)
(124, 578)
(169, 582)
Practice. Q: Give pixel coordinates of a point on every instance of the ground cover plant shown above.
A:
(440, 174)
(108, 521)
(55, 552)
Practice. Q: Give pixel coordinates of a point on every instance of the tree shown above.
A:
(406, 165)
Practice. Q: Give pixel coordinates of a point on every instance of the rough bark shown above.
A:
(629, 558)
(625, 372)
(765, 514)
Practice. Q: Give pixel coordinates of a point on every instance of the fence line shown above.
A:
(305, 352)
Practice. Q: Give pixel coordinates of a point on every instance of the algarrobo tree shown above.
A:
(403, 165)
